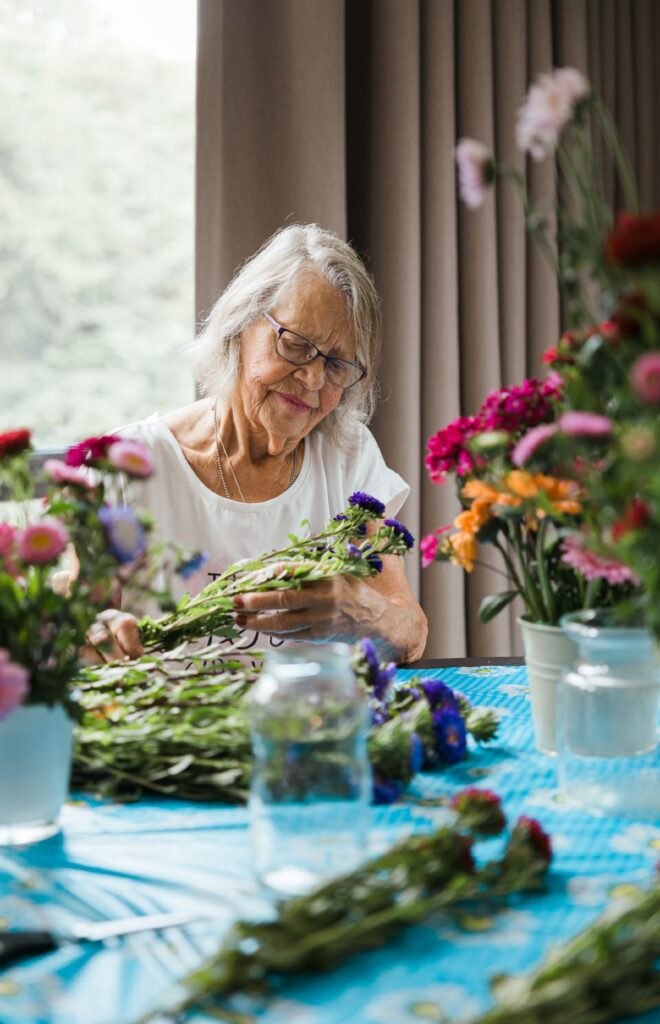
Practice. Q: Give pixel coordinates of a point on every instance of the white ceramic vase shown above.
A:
(548, 653)
(35, 764)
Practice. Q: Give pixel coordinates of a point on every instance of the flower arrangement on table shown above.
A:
(45, 614)
(587, 461)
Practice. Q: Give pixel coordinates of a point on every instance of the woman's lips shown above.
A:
(294, 403)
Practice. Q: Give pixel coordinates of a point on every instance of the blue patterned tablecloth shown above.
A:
(113, 861)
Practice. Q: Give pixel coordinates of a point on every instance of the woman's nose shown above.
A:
(312, 374)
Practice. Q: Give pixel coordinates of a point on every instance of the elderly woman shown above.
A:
(286, 363)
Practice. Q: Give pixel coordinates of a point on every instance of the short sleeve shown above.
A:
(370, 473)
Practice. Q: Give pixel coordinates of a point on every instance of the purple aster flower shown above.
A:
(124, 531)
(402, 530)
(362, 529)
(439, 695)
(370, 653)
(192, 565)
(379, 714)
(417, 753)
(339, 518)
(450, 735)
(386, 790)
(374, 559)
(354, 551)
(367, 502)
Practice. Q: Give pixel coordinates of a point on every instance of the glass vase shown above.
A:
(607, 718)
(35, 764)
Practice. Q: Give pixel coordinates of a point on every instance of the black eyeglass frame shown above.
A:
(280, 330)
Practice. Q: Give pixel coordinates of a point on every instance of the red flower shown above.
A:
(536, 836)
(634, 240)
(14, 441)
(635, 516)
(553, 355)
(479, 810)
(94, 447)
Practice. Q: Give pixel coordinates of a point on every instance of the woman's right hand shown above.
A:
(114, 635)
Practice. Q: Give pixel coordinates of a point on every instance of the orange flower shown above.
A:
(462, 548)
(479, 490)
(508, 499)
(472, 519)
(521, 483)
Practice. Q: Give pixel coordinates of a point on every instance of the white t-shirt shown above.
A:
(196, 518)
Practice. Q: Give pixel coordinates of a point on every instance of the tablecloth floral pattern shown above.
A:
(114, 861)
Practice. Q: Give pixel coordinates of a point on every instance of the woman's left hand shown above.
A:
(343, 608)
(340, 608)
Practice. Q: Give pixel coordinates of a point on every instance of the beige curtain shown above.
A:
(346, 112)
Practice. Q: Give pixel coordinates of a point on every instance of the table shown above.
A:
(112, 861)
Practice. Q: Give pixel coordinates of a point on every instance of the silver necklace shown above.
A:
(220, 443)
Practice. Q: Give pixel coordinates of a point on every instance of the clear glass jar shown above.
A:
(607, 717)
(311, 780)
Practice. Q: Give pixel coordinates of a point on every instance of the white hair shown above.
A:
(261, 281)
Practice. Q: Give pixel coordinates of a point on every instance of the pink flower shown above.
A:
(530, 441)
(548, 108)
(94, 447)
(131, 457)
(63, 474)
(645, 377)
(428, 546)
(476, 171)
(585, 424)
(43, 542)
(8, 544)
(593, 566)
(13, 683)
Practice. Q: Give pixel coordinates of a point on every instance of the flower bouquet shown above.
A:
(46, 612)
(607, 439)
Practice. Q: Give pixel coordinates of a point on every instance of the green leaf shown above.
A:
(494, 603)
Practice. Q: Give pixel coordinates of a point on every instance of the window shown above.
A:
(96, 212)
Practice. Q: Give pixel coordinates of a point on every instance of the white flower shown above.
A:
(475, 171)
(548, 108)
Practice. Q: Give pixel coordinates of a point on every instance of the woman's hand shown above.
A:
(114, 635)
(343, 608)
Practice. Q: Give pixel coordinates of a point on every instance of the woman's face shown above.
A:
(288, 401)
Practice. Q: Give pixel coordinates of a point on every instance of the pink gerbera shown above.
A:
(428, 546)
(43, 542)
(13, 683)
(63, 474)
(131, 457)
(530, 441)
(476, 171)
(585, 424)
(596, 567)
(645, 377)
(91, 448)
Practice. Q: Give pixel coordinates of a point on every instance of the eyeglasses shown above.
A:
(342, 373)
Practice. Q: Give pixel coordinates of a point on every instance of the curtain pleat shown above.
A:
(346, 112)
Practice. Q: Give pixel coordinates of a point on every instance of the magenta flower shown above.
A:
(428, 546)
(447, 452)
(548, 108)
(645, 377)
(92, 448)
(530, 442)
(131, 457)
(8, 548)
(13, 684)
(63, 474)
(596, 567)
(43, 542)
(476, 171)
(518, 408)
(585, 424)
